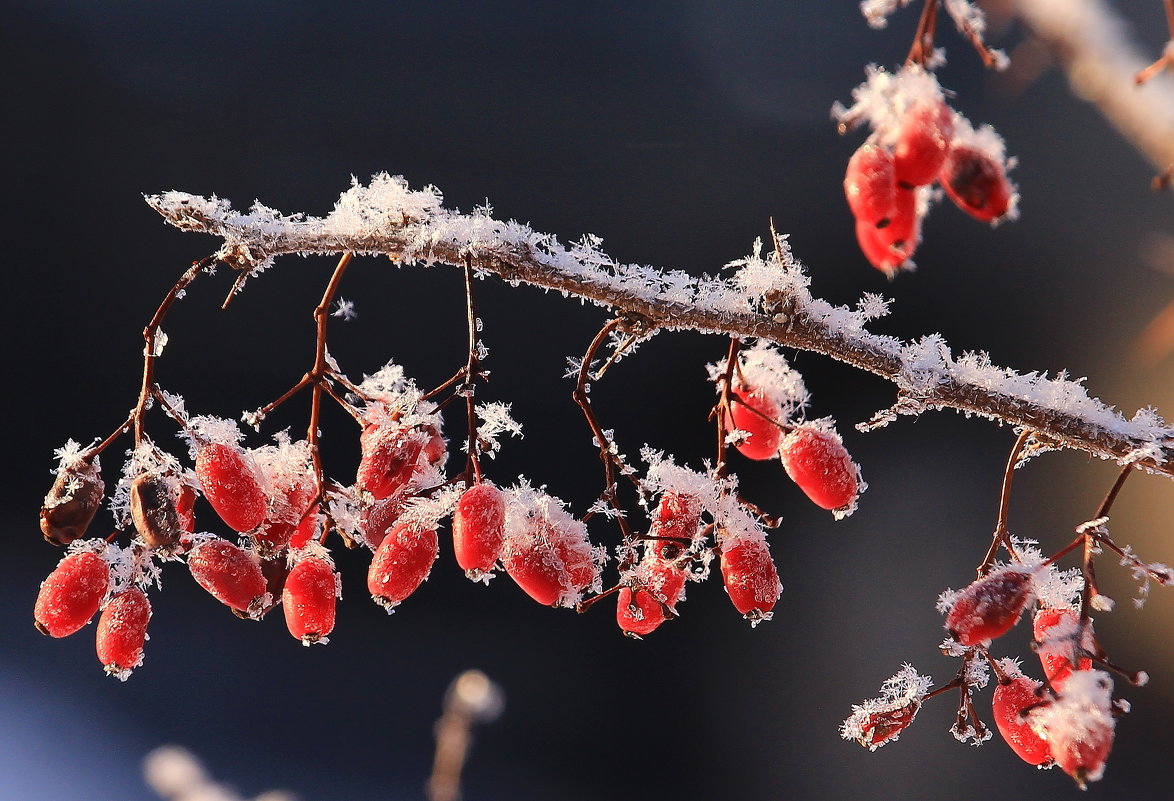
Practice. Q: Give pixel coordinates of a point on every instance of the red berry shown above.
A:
(401, 563)
(750, 576)
(1079, 725)
(389, 460)
(232, 484)
(185, 509)
(888, 248)
(72, 502)
(675, 523)
(231, 574)
(873, 727)
(309, 597)
(435, 448)
(291, 499)
(478, 529)
(870, 185)
(306, 528)
(976, 183)
(154, 509)
(122, 630)
(923, 142)
(1010, 699)
(990, 606)
(72, 593)
(657, 584)
(552, 564)
(380, 518)
(758, 416)
(1055, 632)
(818, 462)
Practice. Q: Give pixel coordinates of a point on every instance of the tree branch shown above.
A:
(765, 297)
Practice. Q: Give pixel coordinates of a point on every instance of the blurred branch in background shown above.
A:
(471, 698)
(175, 774)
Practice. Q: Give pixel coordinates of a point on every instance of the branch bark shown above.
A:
(765, 298)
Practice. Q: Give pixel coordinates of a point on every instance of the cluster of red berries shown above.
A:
(918, 141)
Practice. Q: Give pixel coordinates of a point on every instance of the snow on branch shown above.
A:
(763, 296)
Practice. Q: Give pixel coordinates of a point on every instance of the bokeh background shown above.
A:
(675, 130)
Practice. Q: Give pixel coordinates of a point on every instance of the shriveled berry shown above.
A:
(870, 184)
(309, 597)
(232, 484)
(875, 725)
(923, 142)
(1055, 633)
(401, 563)
(122, 630)
(72, 593)
(976, 183)
(1010, 700)
(72, 502)
(154, 509)
(750, 576)
(817, 461)
(478, 529)
(990, 606)
(389, 459)
(656, 586)
(231, 574)
(759, 417)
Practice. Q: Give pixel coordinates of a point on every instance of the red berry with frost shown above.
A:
(1079, 725)
(401, 563)
(674, 523)
(875, 725)
(817, 461)
(232, 575)
(657, 586)
(389, 459)
(72, 593)
(292, 497)
(750, 576)
(889, 248)
(990, 606)
(232, 484)
(759, 417)
(552, 563)
(306, 528)
(1010, 700)
(1055, 633)
(380, 518)
(122, 631)
(435, 447)
(308, 599)
(71, 503)
(976, 183)
(870, 184)
(923, 142)
(478, 529)
(185, 509)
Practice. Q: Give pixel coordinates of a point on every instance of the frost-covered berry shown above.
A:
(870, 185)
(1079, 725)
(232, 484)
(306, 528)
(657, 586)
(1055, 633)
(309, 597)
(379, 518)
(750, 576)
(889, 248)
(759, 416)
(122, 631)
(291, 500)
(551, 560)
(154, 509)
(72, 593)
(817, 461)
(389, 459)
(1011, 698)
(72, 502)
(874, 726)
(231, 574)
(478, 529)
(401, 563)
(976, 183)
(989, 607)
(674, 523)
(923, 142)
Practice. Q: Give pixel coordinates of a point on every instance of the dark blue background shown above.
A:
(675, 131)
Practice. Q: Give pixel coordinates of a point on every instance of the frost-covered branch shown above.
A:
(762, 296)
(1091, 43)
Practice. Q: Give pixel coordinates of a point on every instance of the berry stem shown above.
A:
(470, 372)
(722, 412)
(922, 48)
(1001, 536)
(318, 373)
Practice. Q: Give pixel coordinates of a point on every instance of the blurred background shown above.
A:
(676, 131)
